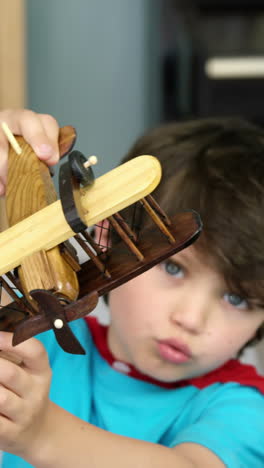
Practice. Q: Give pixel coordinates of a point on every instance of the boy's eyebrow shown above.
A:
(185, 254)
(170, 259)
(174, 258)
(181, 257)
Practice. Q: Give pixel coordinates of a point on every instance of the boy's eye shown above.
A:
(173, 269)
(236, 301)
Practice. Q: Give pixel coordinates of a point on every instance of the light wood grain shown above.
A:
(29, 189)
(110, 193)
(3, 216)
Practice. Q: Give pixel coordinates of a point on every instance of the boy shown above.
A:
(161, 385)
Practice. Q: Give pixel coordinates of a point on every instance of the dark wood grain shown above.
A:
(123, 265)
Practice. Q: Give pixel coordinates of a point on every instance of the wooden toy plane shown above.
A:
(39, 267)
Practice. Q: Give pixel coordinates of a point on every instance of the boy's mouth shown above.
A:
(174, 351)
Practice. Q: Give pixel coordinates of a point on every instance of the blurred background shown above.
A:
(114, 68)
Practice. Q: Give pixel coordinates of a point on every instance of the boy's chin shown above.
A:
(165, 376)
(175, 375)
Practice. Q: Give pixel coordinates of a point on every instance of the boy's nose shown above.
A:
(191, 313)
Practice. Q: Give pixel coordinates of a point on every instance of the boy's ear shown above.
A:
(101, 233)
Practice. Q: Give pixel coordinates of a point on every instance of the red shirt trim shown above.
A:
(231, 371)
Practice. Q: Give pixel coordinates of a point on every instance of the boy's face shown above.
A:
(179, 320)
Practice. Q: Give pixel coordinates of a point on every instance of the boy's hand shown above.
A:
(24, 390)
(39, 130)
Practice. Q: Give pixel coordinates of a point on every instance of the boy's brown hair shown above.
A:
(216, 167)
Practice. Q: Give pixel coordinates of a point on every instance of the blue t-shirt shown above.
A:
(226, 417)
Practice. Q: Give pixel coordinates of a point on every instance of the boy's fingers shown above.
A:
(2, 189)
(51, 128)
(42, 134)
(10, 404)
(14, 378)
(3, 163)
(39, 130)
(31, 352)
